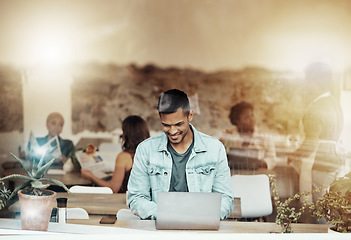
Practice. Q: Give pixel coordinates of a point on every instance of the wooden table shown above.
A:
(103, 204)
(98, 205)
(226, 226)
(94, 204)
(69, 179)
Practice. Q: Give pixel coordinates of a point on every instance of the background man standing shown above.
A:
(317, 160)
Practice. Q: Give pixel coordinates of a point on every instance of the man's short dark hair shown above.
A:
(237, 110)
(172, 100)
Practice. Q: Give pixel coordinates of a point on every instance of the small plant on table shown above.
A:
(287, 214)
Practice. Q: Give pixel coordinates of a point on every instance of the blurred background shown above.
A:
(98, 61)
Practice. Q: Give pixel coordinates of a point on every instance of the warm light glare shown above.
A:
(40, 150)
(301, 50)
(48, 44)
(52, 53)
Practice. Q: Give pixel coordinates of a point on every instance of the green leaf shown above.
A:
(22, 186)
(39, 184)
(34, 180)
(16, 176)
(56, 182)
(23, 164)
(41, 160)
(41, 171)
(72, 156)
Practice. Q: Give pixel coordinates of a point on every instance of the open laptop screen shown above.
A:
(188, 210)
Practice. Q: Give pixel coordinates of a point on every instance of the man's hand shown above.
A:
(63, 159)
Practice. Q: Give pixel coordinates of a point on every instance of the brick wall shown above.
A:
(102, 95)
(11, 102)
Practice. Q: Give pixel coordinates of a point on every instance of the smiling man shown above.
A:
(180, 160)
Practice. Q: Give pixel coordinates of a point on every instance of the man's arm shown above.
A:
(139, 187)
(270, 155)
(223, 183)
(307, 151)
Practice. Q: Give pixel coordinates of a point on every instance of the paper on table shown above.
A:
(56, 171)
(93, 162)
(90, 161)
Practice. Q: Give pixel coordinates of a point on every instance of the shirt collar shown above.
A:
(323, 95)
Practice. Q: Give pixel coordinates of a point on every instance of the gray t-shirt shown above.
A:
(178, 179)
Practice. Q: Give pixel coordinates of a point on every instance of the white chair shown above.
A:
(126, 214)
(77, 213)
(254, 193)
(88, 189)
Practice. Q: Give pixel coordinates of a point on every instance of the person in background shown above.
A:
(244, 134)
(317, 160)
(54, 124)
(181, 159)
(135, 130)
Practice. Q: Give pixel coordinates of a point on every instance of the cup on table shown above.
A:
(61, 216)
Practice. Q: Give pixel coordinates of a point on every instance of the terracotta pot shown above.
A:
(36, 210)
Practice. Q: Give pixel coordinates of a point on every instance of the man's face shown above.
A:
(246, 122)
(55, 126)
(176, 125)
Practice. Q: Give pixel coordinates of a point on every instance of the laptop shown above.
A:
(188, 210)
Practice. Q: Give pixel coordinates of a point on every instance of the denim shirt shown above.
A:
(206, 171)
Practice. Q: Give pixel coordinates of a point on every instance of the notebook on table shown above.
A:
(188, 210)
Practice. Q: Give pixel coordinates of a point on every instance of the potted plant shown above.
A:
(335, 205)
(4, 198)
(286, 213)
(36, 201)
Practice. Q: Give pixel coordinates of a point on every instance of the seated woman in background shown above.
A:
(54, 124)
(245, 134)
(135, 130)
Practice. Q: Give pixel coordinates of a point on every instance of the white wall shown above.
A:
(46, 90)
(345, 103)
